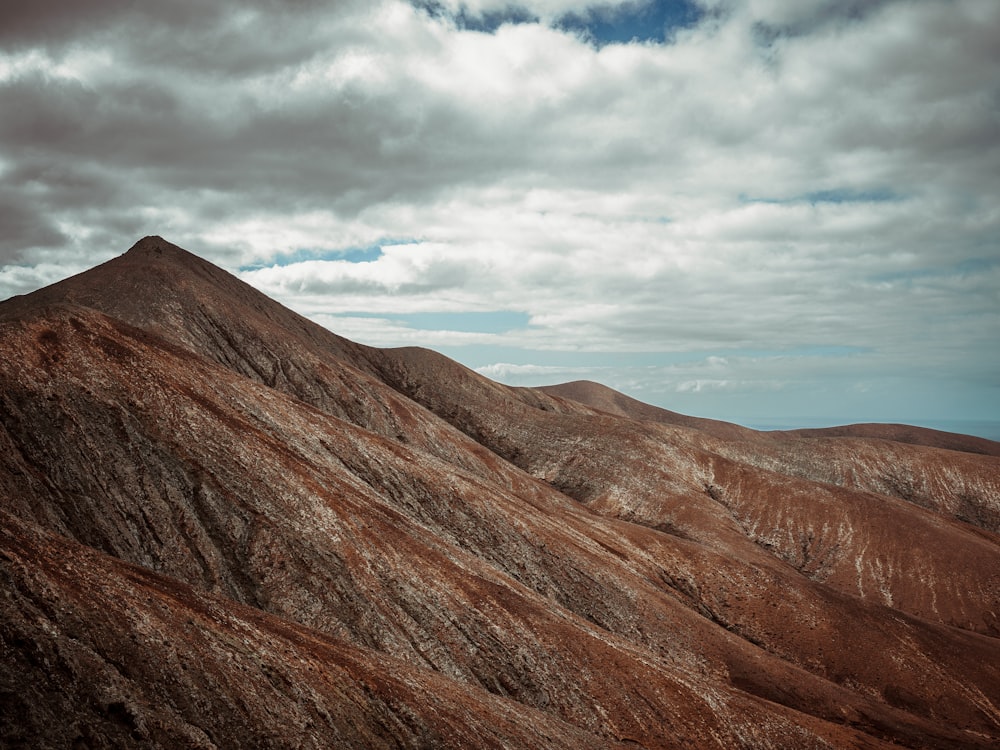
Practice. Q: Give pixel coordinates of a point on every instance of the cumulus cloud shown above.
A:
(777, 175)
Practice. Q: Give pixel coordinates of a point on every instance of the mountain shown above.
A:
(224, 526)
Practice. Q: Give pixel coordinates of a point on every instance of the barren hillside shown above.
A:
(224, 526)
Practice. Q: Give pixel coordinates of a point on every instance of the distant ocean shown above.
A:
(979, 428)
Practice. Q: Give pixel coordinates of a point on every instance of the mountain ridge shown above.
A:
(627, 580)
(606, 399)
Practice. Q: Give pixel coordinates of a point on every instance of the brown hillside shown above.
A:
(221, 525)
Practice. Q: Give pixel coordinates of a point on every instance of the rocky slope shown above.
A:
(221, 525)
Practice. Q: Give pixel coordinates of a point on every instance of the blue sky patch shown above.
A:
(641, 20)
(851, 196)
(350, 254)
(967, 267)
(837, 195)
(487, 22)
(654, 21)
(495, 321)
(490, 21)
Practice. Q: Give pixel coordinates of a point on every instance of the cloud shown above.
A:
(775, 176)
(530, 375)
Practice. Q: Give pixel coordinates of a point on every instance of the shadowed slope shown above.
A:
(99, 651)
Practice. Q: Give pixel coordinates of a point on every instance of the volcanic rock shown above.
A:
(224, 526)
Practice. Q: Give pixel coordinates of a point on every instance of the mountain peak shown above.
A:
(152, 243)
(154, 246)
(155, 249)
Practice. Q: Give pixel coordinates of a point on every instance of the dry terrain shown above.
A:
(224, 526)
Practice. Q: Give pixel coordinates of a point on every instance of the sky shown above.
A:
(773, 212)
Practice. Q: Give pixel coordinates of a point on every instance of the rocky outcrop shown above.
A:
(221, 525)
